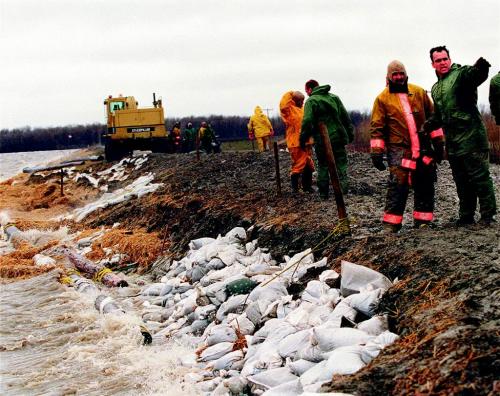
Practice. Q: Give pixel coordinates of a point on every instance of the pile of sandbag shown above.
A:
(232, 298)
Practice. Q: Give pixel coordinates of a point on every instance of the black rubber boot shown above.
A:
(294, 182)
(323, 190)
(307, 180)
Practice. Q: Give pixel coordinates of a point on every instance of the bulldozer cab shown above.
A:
(120, 103)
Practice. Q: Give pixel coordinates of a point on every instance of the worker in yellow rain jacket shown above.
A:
(302, 164)
(260, 129)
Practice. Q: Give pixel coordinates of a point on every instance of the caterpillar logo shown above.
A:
(145, 129)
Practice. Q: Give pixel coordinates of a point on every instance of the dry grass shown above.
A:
(140, 246)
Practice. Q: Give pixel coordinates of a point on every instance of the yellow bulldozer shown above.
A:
(131, 128)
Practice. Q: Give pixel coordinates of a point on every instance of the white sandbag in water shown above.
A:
(345, 360)
(271, 378)
(153, 290)
(365, 302)
(292, 388)
(230, 361)
(233, 304)
(196, 244)
(300, 366)
(291, 344)
(220, 333)
(372, 349)
(330, 338)
(374, 326)
(354, 277)
(216, 351)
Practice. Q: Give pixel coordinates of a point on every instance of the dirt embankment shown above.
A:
(445, 305)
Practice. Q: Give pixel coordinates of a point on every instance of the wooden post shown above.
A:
(62, 182)
(277, 163)
(332, 169)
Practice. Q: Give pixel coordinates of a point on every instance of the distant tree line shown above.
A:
(226, 128)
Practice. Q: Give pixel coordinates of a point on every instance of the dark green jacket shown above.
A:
(190, 134)
(495, 97)
(326, 107)
(455, 109)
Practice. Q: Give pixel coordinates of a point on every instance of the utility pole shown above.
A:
(267, 111)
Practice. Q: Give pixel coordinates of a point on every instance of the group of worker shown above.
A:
(408, 130)
(190, 138)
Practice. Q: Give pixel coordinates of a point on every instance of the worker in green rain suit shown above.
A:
(323, 106)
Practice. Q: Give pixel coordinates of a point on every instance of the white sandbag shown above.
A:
(311, 352)
(302, 270)
(354, 277)
(365, 302)
(319, 315)
(317, 373)
(273, 327)
(314, 291)
(236, 235)
(241, 323)
(300, 366)
(328, 276)
(216, 351)
(372, 349)
(374, 326)
(292, 388)
(269, 293)
(330, 338)
(42, 260)
(299, 317)
(342, 309)
(291, 344)
(264, 357)
(233, 304)
(204, 311)
(196, 244)
(220, 333)
(210, 385)
(153, 289)
(228, 361)
(215, 264)
(236, 385)
(345, 360)
(271, 378)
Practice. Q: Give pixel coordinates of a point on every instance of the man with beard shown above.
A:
(398, 113)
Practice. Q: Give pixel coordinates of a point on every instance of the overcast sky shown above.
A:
(61, 58)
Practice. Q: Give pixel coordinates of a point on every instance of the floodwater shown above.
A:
(13, 163)
(54, 342)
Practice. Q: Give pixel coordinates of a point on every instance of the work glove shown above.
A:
(482, 64)
(438, 152)
(378, 161)
(272, 132)
(251, 136)
(302, 142)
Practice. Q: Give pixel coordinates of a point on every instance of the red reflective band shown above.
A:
(392, 219)
(437, 133)
(426, 160)
(410, 123)
(425, 216)
(377, 143)
(408, 163)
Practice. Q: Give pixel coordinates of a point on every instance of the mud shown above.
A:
(445, 305)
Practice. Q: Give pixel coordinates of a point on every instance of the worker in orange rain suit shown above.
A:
(260, 128)
(397, 116)
(302, 164)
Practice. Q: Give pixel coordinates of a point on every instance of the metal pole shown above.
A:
(332, 168)
(277, 162)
